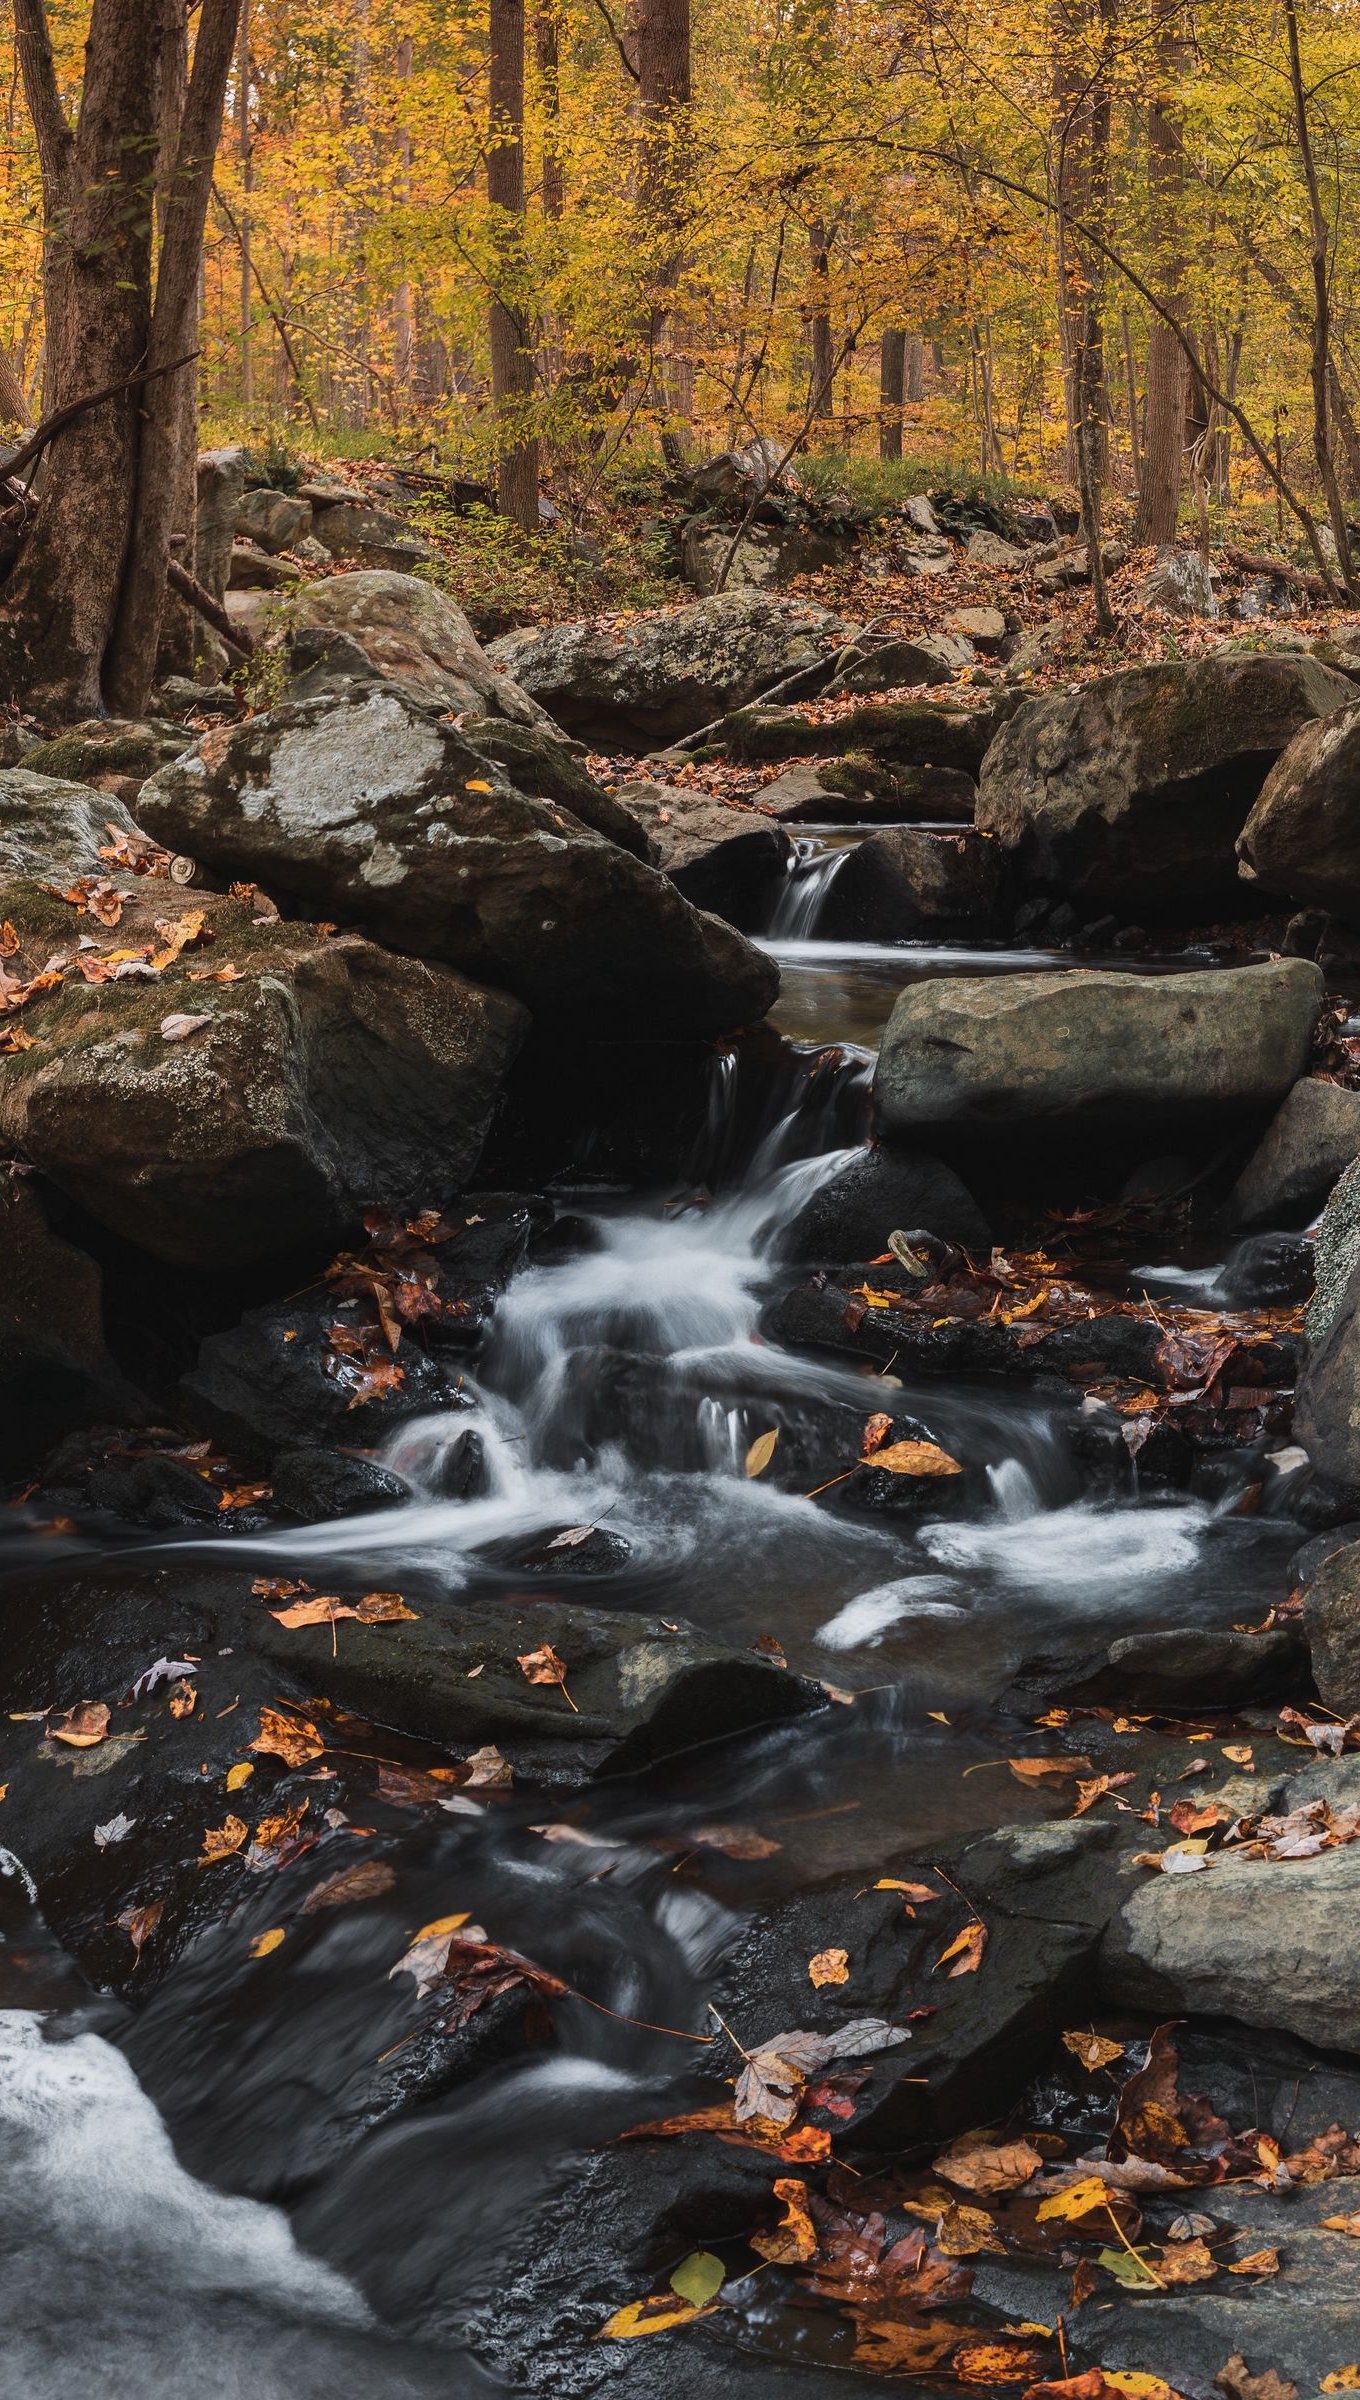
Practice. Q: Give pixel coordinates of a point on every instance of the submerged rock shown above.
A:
(665, 675)
(317, 1485)
(1004, 1051)
(367, 805)
(1131, 792)
(240, 1116)
(1194, 1667)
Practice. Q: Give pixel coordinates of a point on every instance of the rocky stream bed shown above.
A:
(682, 1594)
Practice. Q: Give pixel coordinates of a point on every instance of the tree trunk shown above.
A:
(167, 401)
(554, 189)
(892, 376)
(13, 404)
(1082, 96)
(1319, 260)
(661, 31)
(512, 359)
(1159, 488)
(916, 369)
(60, 604)
(245, 157)
(822, 389)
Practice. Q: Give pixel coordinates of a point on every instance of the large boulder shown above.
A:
(407, 632)
(241, 1102)
(1307, 1145)
(913, 879)
(879, 1193)
(373, 537)
(1336, 1254)
(1023, 1050)
(367, 807)
(1331, 1624)
(763, 558)
(111, 754)
(58, 830)
(1327, 1408)
(273, 520)
(221, 487)
(722, 857)
(911, 733)
(665, 675)
(1302, 836)
(1131, 792)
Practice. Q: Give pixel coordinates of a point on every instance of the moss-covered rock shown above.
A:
(113, 754)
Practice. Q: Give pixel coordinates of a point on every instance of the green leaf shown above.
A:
(1128, 2269)
(699, 2278)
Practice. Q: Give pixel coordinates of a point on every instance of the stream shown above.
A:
(144, 2264)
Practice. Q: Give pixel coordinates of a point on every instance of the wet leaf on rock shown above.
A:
(977, 2164)
(140, 1923)
(773, 2078)
(178, 1026)
(829, 1966)
(544, 1666)
(794, 2239)
(265, 1942)
(762, 1450)
(699, 2278)
(1046, 1770)
(662, 2313)
(1093, 2050)
(293, 1739)
(1259, 2262)
(1237, 2380)
(278, 1838)
(966, 1950)
(385, 1608)
(368, 1879)
(116, 1829)
(81, 1726)
(239, 1774)
(735, 1841)
(915, 1458)
(222, 1841)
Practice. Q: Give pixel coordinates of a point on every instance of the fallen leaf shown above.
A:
(1186, 2262)
(915, 1458)
(239, 1774)
(1237, 2380)
(179, 1026)
(774, 2075)
(992, 2362)
(183, 1699)
(223, 1840)
(81, 1726)
(735, 1841)
(416, 1787)
(367, 1879)
(278, 1838)
(544, 1666)
(427, 1953)
(876, 1431)
(761, 1452)
(977, 2164)
(265, 1942)
(1341, 2379)
(962, 2232)
(385, 1608)
(1042, 1770)
(661, 2314)
(918, 1893)
(486, 1767)
(1239, 1753)
(794, 2239)
(1093, 2050)
(1349, 2225)
(117, 1829)
(830, 1966)
(966, 1948)
(293, 1739)
(1078, 2199)
(1260, 2262)
(324, 1610)
(140, 1923)
(699, 2278)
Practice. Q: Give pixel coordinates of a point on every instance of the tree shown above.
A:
(81, 614)
(512, 357)
(1159, 485)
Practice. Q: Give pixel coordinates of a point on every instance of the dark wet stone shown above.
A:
(160, 1493)
(880, 1192)
(317, 1484)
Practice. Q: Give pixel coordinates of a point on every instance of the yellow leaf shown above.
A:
(830, 1966)
(477, 786)
(915, 1458)
(1136, 2384)
(967, 1947)
(1093, 2050)
(761, 1452)
(429, 1933)
(239, 1774)
(1260, 2262)
(1341, 2379)
(1239, 1753)
(660, 2314)
(220, 1841)
(265, 1942)
(1077, 2200)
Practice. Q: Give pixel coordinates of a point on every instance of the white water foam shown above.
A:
(863, 1621)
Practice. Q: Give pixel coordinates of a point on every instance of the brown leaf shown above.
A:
(81, 1726)
(1186, 2262)
(1093, 2050)
(326, 1609)
(977, 2164)
(830, 1966)
(1238, 2381)
(221, 1841)
(140, 1923)
(1259, 2262)
(876, 1431)
(183, 1698)
(962, 2232)
(278, 1838)
(367, 1879)
(794, 2239)
(416, 1787)
(915, 1458)
(385, 1608)
(543, 1666)
(486, 1767)
(1044, 1770)
(966, 1949)
(293, 1739)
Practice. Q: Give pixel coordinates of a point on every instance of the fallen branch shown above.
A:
(1255, 562)
(60, 418)
(190, 589)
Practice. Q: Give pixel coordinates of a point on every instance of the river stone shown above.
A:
(1271, 1942)
(272, 520)
(114, 755)
(373, 537)
(317, 1485)
(54, 829)
(1021, 1050)
(910, 733)
(880, 1192)
(867, 791)
(888, 666)
(728, 859)
(328, 1077)
(643, 1688)
(911, 879)
(1301, 836)
(56, 1374)
(669, 673)
(365, 806)
(1181, 583)
(1310, 1142)
(1130, 793)
(1193, 1667)
(408, 633)
(1331, 1624)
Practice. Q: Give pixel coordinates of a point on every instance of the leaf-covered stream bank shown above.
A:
(722, 1757)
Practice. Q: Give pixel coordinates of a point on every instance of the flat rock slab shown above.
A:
(1010, 1051)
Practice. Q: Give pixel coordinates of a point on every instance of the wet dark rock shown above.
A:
(1300, 837)
(539, 762)
(642, 1689)
(159, 1493)
(56, 1373)
(370, 807)
(316, 1485)
(1307, 1559)
(865, 790)
(731, 861)
(880, 1192)
(567, 1551)
(275, 1382)
(1331, 1624)
(1197, 1667)
(326, 1076)
(1131, 792)
(665, 675)
(1311, 1141)
(909, 880)
(1271, 1270)
(820, 1316)
(1003, 1051)
(911, 733)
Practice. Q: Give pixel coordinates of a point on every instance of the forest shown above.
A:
(679, 1200)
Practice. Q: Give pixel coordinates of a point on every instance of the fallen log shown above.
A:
(190, 589)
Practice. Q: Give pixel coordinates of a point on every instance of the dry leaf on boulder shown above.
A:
(82, 1726)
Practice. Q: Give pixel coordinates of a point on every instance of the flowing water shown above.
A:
(622, 1386)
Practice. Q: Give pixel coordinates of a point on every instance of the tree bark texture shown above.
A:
(1163, 465)
(892, 377)
(512, 358)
